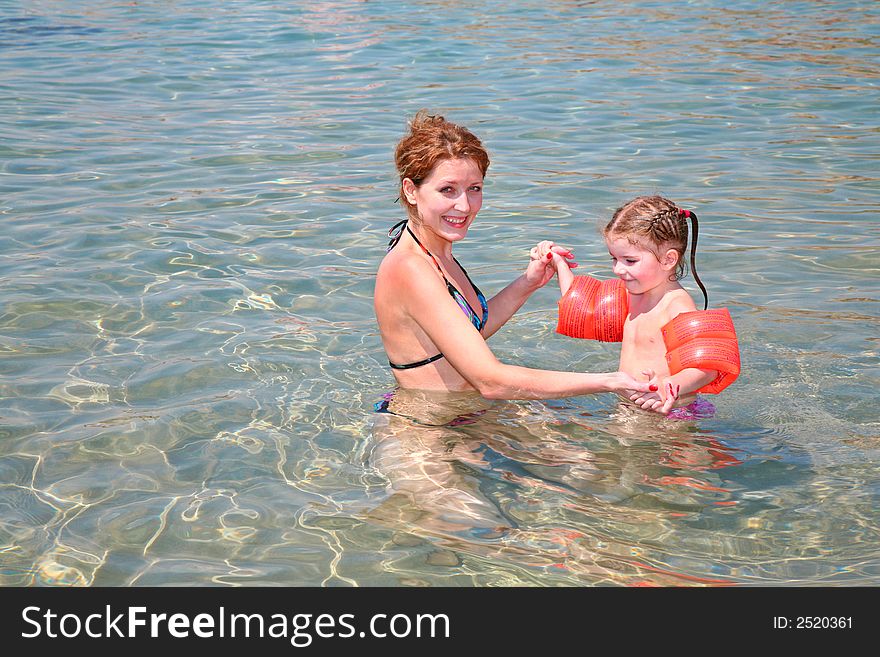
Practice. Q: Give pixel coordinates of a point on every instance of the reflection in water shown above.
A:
(581, 500)
(429, 465)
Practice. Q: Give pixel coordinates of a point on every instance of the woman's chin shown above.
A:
(455, 233)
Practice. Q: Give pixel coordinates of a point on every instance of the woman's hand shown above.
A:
(625, 385)
(545, 257)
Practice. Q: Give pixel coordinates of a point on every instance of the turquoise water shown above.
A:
(194, 200)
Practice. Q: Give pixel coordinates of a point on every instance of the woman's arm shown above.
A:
(540, 270)
(505, 304)
(427, 302)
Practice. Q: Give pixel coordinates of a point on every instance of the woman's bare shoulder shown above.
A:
(404, 273)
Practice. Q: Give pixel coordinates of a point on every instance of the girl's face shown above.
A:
(449, 199)
(639, 268)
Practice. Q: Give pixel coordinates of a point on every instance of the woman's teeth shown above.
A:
(455, 221)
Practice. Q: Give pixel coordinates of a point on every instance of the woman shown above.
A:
(433, 320)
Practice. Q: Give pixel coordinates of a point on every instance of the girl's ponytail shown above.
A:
(695, 230)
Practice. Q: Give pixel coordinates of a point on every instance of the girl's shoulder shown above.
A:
(675, 302)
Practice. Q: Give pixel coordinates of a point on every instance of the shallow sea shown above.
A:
(194, 198)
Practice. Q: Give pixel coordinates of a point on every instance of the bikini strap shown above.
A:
(395, 234)
(409, 366)
(431, 255)
(473, 285)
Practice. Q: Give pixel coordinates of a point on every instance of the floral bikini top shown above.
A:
(478, 321)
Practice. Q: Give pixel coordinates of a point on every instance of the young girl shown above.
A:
(647, 239)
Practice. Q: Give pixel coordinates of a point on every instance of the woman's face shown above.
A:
(449, 199)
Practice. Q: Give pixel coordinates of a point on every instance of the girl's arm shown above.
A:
(688, 381)
(563, 273)
(426, 300)
(691, 379)
(562, 263)
(540, 270)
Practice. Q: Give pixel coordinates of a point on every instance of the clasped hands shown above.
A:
(662, 396)
(545, 257)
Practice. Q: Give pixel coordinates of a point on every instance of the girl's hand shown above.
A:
(540, 251)
(545, 257)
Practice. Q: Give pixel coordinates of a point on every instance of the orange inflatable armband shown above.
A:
(594, 309)
(704, 339)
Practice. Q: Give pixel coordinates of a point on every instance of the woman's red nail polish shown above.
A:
(549, 256)
(653, 388)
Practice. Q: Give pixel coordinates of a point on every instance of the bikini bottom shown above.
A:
(699, 409)
(434, 416)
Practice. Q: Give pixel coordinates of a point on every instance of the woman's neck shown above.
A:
(438, 246)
